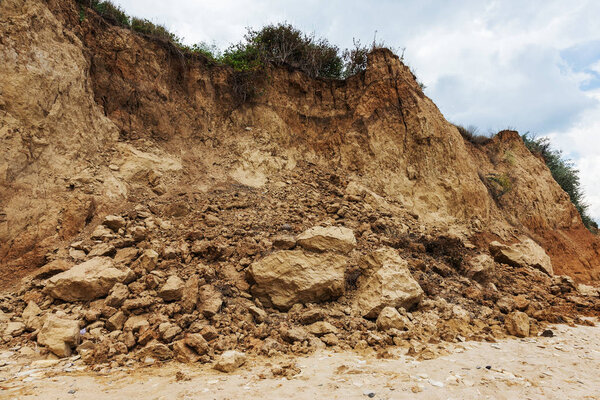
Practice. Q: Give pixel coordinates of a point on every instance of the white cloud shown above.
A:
(492, 63)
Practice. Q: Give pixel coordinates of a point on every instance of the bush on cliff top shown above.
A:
(564, 173)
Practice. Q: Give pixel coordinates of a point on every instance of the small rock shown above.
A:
(230, 361)
(517, 324)
(172, 290)
(114, 222)
(59, 335)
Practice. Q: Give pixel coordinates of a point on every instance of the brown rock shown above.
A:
(114, 222)
(321, 328)
(172, 290)
(117, 295)
(183, 353)
(525, 253)
(87, 281)
(197, 342)
(31, 317)
(294, 334)
(517, 324)
(230, 361)
(102, 250)
(387, 283)
(59, 335)
(390, 318)
(330, 238)
(210, 301)
(189, 297)
(116, 322)
(284, 242)
(288, 277)
(51, 269)
(147, 261)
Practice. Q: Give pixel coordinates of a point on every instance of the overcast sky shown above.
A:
(529, 65)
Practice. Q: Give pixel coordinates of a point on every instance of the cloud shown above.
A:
(530, 65)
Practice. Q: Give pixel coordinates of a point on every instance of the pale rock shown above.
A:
(172, 290)
(210, 301)
(183, 353)
(102, 250)
(525, 253)
(126, 255)
(117, 295)
(114, 222)
(587, 290)
(390, 318)
(51, 269)
(87, 281)
(197, 342)
(480, 266)
(284, 242)
(230, 361)
(517, 324)
(294, 334)
(387, 283)
(31, 316)
(258, 314)
(136, 323)
(102, 233)
(14, 328)
(147, 261)
(157, 350)
(189, 297)
(116, 322)
(321, 328)
(287, 277)
(59, 335)
(327, 238)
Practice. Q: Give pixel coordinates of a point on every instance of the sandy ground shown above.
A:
(566, 366)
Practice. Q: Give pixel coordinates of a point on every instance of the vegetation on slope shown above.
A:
(564, 173)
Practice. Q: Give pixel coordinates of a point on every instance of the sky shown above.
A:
(533, 66)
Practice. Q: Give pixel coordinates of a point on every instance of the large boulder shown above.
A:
(327, 238)
(87, 281)
(288, 277)
(387, 282)
(525, 253)
(59, 335)
(230, 361)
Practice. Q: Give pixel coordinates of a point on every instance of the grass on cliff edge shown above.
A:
(564, 173)
(280, 44)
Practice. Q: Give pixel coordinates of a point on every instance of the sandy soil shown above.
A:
(560, 367)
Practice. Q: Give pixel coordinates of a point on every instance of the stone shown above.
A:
(147, 261)
(327, 238)
(51, 269)
(587, 290)
(294, 334)
(521, 302)
(390, 318)
(258, 314)
(87, 281)
(525, 253)
(59, 335)
(172, 290)
(209, 332)
(210, 301)
(31, 317)
(517, 324)
(287, 277)
(183, 353)
(189, 297)
(480, 266)
(126, 255)
(387, 283)
(168, 331)
(506, 304)
(114, 222)
(136, 323)
(230, 361)
(118, 294)
(157, 350)
(14, 328)
(102, 250)
(321, 328)
(284, 242)
(116, 322)
(311, 316)
(197, 342)
(102, 233)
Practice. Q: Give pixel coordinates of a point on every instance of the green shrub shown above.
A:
(355, 59)
(564, 173)
(210, 51)
(108, 11)
(149, 28)
(500, 184)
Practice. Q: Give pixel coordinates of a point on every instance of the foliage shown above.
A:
(564, 173)
(108, 11)
(283, 44)
(355, 59)
(149, 28)
(501, 184)
(471, 134)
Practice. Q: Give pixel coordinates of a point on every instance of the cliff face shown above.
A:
(94, 118)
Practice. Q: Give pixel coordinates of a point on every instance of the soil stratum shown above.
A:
(147, 211)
